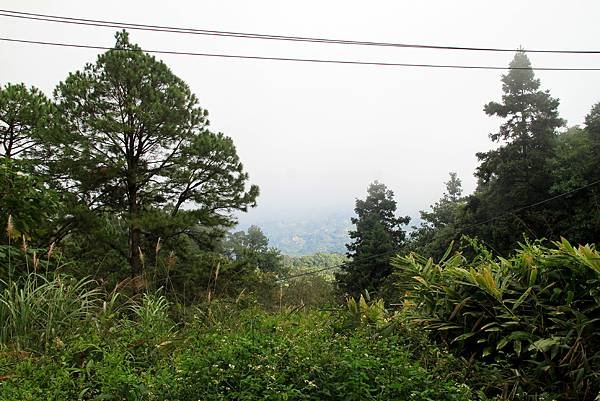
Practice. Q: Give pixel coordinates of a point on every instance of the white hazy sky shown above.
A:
(313, 136)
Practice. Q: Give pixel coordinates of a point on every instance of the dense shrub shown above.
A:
(533, 319)
(311, 290)
(251, 355)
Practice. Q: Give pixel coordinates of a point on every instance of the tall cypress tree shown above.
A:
(377, 237)
(518, 173)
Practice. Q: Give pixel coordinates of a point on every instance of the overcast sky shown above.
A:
(313, 136)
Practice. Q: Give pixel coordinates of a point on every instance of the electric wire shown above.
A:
(532, 205)
(246, 35)
(158, 28)
(305, 60)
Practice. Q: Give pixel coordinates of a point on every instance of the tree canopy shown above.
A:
(378, 235)
(25, 114)
(440, 226)
(251, 248)
(518, 173)
(139, 141)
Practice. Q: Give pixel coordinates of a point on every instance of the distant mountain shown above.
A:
(313, 234)
(306, 236)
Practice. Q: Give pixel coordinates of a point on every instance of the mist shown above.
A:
(313, 136)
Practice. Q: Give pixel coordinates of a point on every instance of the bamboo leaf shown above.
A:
(521, 299)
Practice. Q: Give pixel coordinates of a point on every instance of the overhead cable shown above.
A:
(304, 60)
(246, 35)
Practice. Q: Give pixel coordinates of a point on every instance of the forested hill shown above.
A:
(306, 236)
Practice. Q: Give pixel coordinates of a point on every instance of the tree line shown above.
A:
(505, 278)
(120, 167)
(541, 182)
(118, 176)
(120, 172)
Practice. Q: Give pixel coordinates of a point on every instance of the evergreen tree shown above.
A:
(140, 150)
(577, 165)
(377, 237)
(252, 248)
(24, 117)
(518, 173)
(441, 225)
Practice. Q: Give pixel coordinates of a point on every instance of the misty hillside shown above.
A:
(309, 235)
(312, 234)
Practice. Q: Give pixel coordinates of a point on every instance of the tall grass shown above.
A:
(152, 314)
(38, 309)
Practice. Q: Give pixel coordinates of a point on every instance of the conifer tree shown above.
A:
(140, 149)
(441, 225)
(577, 165)
(378, 235)
(25, 114)
(25, 120)
(518, 173)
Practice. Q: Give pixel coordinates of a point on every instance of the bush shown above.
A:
(533, 319)
(311, 290)
(251, 355)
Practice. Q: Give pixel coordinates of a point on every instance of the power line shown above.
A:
(246, 35)
(305, 60)
(458, 230)
(517, 210)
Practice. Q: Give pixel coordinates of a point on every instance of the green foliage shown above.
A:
(203, 276)
(518, 173)
(311, 290)
(37, 309)
(576, 165)
(539, 182)
(26, 198)
(377, 236)
(363, 313)
(441, 225)
(252, 248)
(536, 315)
(152, 315)
(251, 356)
(25, 116)
(139, 141)
(312, 279)
(124, 174)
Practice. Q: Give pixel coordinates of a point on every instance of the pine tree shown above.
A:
(140, 149)
(378, 236)
(518, 173)
(441, 225)
(25, 121)
(24, 118)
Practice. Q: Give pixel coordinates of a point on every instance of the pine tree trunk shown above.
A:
(135, 232)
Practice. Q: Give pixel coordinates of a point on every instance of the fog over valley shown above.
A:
(313, 136)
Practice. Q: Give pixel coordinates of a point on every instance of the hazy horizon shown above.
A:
(314, 136)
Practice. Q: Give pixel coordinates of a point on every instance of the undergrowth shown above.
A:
(134, 349)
